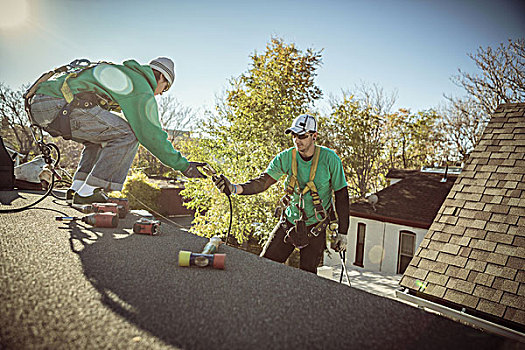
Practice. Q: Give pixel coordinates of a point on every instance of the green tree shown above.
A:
(246, 132)
(354, 132)
(370, 141)
(413, 140)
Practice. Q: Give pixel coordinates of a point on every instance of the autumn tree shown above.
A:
(174, 116)
(354, 132)
(370, 139)
(246, 131)
(374, 97)
(413, 140)
(500, 79)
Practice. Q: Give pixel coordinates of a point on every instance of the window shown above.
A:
(360, 245)
(407, 246)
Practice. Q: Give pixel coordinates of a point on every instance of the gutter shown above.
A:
(461, 315)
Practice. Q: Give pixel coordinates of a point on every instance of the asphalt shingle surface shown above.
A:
(66, 286)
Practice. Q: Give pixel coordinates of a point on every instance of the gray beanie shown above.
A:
(165, 66)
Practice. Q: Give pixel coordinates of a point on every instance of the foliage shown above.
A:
(354, 132)
(370, 141)
(412, 140)
(141, 193)
(246, 132)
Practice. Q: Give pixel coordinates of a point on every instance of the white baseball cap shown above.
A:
(303, 124)
(165, 66)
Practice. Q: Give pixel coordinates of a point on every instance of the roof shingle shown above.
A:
(473, 255)
(413, 201)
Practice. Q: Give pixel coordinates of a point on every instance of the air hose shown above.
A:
(208, 169)
(231, 219)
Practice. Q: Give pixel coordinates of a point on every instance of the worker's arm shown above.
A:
(257, 185)
(254, 186)
(342, 207)
(141, 111)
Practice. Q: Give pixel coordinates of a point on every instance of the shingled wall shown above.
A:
(473, 255)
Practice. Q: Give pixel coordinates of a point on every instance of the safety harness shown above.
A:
(60, 126)
(320, 212)
(298, 234)
(61, 122)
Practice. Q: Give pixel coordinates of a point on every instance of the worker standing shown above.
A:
(314, 174)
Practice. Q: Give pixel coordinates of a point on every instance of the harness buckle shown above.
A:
(320, 214)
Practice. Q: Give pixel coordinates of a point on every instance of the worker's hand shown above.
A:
(224, 185)
(193, 171)
(339, 242)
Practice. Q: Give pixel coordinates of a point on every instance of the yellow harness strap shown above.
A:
(320, 212)
(66, 91)
(310, 186)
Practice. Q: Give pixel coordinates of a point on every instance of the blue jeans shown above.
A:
(109, 142)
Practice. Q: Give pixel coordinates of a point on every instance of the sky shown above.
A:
(412, 47)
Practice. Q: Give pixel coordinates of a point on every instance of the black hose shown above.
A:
(49, 190)
(231, 218)
(65, 182)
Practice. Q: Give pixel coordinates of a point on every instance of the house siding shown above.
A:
(381, 245)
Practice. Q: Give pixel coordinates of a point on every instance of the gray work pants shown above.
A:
(109, 142)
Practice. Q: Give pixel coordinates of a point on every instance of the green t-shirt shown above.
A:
(131, 85)
(329, 177)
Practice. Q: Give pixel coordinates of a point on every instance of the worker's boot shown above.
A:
(98, 196)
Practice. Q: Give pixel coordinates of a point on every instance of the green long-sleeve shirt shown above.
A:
(131, 85)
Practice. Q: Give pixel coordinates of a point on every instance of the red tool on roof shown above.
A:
(96, 219)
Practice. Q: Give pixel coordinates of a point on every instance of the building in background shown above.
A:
(386, 229)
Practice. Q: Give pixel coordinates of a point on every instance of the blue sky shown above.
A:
(412, 46)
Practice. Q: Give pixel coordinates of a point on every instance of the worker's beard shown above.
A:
(305, 148)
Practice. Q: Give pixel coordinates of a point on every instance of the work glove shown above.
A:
(338, 242)
(224, 185)
(193, 171)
